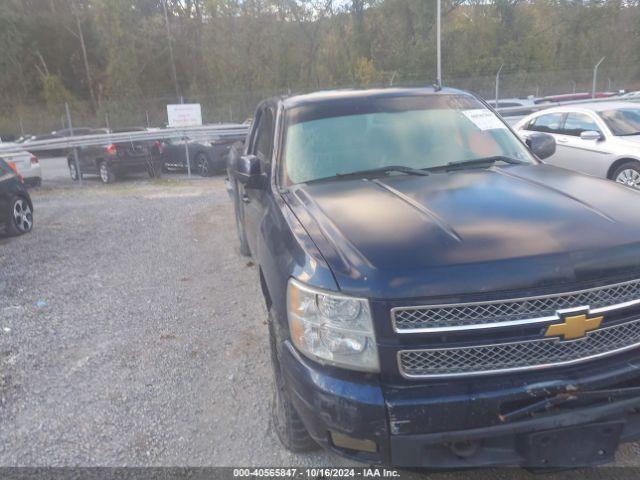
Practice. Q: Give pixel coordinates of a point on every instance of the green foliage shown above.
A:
(55, 93)
(229, 52)
(365, 73)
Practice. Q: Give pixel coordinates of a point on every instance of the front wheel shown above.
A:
(73, 171)
(155, 170)
(106, 173)
(242, 236)
(628, 174)
(286, 422)
(202, 164)
(21, 216)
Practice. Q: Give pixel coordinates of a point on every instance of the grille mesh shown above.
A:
(522, 355)
(509, 310)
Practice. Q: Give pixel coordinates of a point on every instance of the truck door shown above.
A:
(551, 124)
(254, 198)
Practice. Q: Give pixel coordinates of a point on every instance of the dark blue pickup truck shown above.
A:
(437, 295)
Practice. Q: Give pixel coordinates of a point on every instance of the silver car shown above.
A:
(599, 138)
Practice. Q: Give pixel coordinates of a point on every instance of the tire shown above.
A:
(37, 182)
(73, 172)
(286, 422)
(20, 216)
(242, 236)
(155, 170)
(203, 165)
(628, 174)
(106, 173)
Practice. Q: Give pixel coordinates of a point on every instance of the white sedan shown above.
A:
(26, 164)
(599, 138)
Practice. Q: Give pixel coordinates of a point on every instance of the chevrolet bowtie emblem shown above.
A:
(575, 326)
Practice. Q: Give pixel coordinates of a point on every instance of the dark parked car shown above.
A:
(77, 132)
(65, 132)
(207, 158)
(437, 296)
(117, 159)
(16, 209)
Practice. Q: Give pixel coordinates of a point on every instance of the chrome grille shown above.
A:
(526, 355)
(406, 319)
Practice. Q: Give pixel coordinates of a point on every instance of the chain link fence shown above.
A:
(541, 84)
(39, 118)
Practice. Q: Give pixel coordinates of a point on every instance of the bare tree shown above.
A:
(80, 36)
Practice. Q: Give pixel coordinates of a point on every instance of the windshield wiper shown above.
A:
(629, 134)
(388, 169)
(484, 161)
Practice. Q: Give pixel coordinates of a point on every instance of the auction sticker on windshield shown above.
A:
(483, 119)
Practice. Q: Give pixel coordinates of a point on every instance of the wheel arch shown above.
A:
(27, 198)
(206, 154)
(614, 166)
(265, 290)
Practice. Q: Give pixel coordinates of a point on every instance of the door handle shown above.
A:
(245, 198)
(563, 140)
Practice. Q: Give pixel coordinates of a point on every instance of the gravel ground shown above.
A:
(132, 333)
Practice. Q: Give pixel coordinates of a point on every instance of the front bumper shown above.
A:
(454, 424)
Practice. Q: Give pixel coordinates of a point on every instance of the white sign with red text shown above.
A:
(184, 115)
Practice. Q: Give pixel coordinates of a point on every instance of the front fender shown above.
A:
(285, 250)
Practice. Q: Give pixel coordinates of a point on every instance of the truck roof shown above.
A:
(328, 96)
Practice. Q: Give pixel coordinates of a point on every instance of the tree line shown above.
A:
(99, 54)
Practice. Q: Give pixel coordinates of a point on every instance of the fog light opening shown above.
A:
(341, 440)
(464, 449)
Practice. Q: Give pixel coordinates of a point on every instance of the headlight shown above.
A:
(331, 328)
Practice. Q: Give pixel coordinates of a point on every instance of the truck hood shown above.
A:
(470, 231)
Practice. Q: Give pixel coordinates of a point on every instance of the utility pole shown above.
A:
(85, 57)
(438, 44)
(595, 77)
(169, 39)
(498, 85)
(76, 160)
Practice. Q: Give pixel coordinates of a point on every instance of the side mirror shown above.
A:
(249, 172)
(541, 144)
(590, 135)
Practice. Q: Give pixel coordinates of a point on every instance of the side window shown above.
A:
(576, 123)
(263, 144)
(549, 123)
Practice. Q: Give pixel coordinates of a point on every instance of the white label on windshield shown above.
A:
(483, 119)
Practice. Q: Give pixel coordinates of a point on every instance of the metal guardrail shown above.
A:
(199, 133)
(218, 131)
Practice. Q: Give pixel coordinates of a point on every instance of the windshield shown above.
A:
(622, 121)
(420, 132)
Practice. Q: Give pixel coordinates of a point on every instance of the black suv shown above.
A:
(437, 295)
(117, 159)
